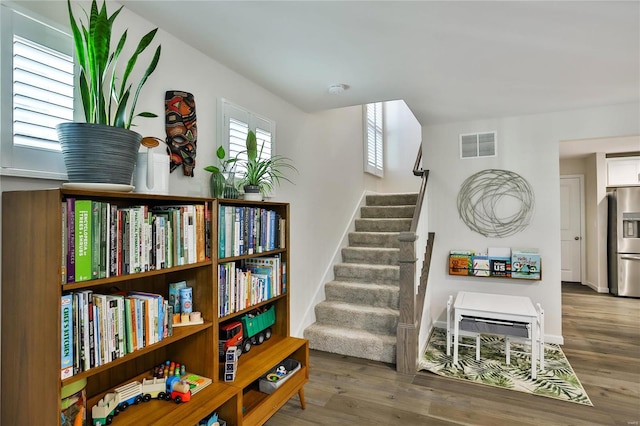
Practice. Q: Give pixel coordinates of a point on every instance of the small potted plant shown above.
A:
(262, 174)
(104, 149)
(222, 181)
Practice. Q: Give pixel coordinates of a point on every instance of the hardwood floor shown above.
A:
(602, 342)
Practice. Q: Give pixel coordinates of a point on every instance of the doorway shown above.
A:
(572, 211)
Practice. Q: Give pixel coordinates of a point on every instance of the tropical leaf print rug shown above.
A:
(558, 380)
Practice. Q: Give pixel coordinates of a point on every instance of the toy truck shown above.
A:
(252, 329)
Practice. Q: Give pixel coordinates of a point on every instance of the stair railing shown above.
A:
(412, 286)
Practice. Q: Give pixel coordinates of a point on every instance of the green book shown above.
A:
(83, 240)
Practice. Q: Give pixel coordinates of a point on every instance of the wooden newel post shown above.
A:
(407, 334)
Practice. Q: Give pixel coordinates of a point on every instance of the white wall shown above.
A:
(527, 145)
(326, 148)
(403, 135)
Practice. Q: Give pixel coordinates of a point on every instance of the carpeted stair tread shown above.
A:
(370, 318)
(382, 295)
(383, 225)
(399, 199)
(356, 343)
(379, 274)
(387, 211)
(371, 255)
(374, 239)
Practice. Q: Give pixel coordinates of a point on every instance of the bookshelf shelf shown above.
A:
(33, 268)
(179, 333)
(130, 277)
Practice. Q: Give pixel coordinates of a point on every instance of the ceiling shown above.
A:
(448, 60)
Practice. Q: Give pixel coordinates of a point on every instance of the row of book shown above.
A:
(100, 328)
(254, 280)
(249, 230)
(101, 239)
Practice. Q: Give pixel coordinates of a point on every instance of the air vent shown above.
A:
(474, 145)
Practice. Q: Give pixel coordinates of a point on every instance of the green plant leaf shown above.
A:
(98, 67)
(252, 146)
(152, 66)
(220, 153)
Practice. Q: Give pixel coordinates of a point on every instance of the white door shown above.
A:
(571, 228)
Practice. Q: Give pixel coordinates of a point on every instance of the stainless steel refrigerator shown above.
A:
(623, 241)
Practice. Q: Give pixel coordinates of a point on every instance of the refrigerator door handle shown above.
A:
(630, 256)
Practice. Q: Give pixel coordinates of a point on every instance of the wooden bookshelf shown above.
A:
(31, 332)
(257, 407)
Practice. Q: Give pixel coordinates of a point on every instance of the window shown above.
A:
(237, 122)
(473, 145)
(373, 139)
(37, 92)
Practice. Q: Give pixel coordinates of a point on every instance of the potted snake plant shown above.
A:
(104, 148)
(262, 174)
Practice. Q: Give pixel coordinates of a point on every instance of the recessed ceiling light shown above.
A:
(336, 89)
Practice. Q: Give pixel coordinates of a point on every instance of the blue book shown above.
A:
(221, 231)
(66, 317)
(272, 230)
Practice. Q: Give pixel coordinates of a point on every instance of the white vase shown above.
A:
(252, 193)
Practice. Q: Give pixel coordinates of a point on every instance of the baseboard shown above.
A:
(596, 288)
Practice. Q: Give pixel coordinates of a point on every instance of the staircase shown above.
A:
(360, 314)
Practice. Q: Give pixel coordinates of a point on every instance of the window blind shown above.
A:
(374, 139)
(237, 123)
(42, 93)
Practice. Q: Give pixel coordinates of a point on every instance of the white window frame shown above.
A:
(373, 129)
(228, 111)
(16, 160)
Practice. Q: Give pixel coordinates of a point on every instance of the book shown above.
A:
(66, 311)
(155, 315)
(196, 382)
(63, 265)
(82, 240)
(71, 240)
(174, 295)
(96, 231)
(114, 240)
(199, 231)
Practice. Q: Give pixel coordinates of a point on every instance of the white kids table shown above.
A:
(497, 307)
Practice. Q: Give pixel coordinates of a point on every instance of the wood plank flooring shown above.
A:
(602, 342)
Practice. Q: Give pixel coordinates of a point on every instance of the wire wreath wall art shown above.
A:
(496, 203)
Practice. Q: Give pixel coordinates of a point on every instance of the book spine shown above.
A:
(83, 240)
(122, 326)
(76, 333)
(128, 326)
(63, 260)
(84, 327)
(199, 225)
(104, 238)
(96, 225)
(221, 232)
(71, 240)
(191, 229)
(272, 230)
(207, 232)
(237, 235)
(92, 337)
(66, 336)
(169, 242)
(113, 240)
